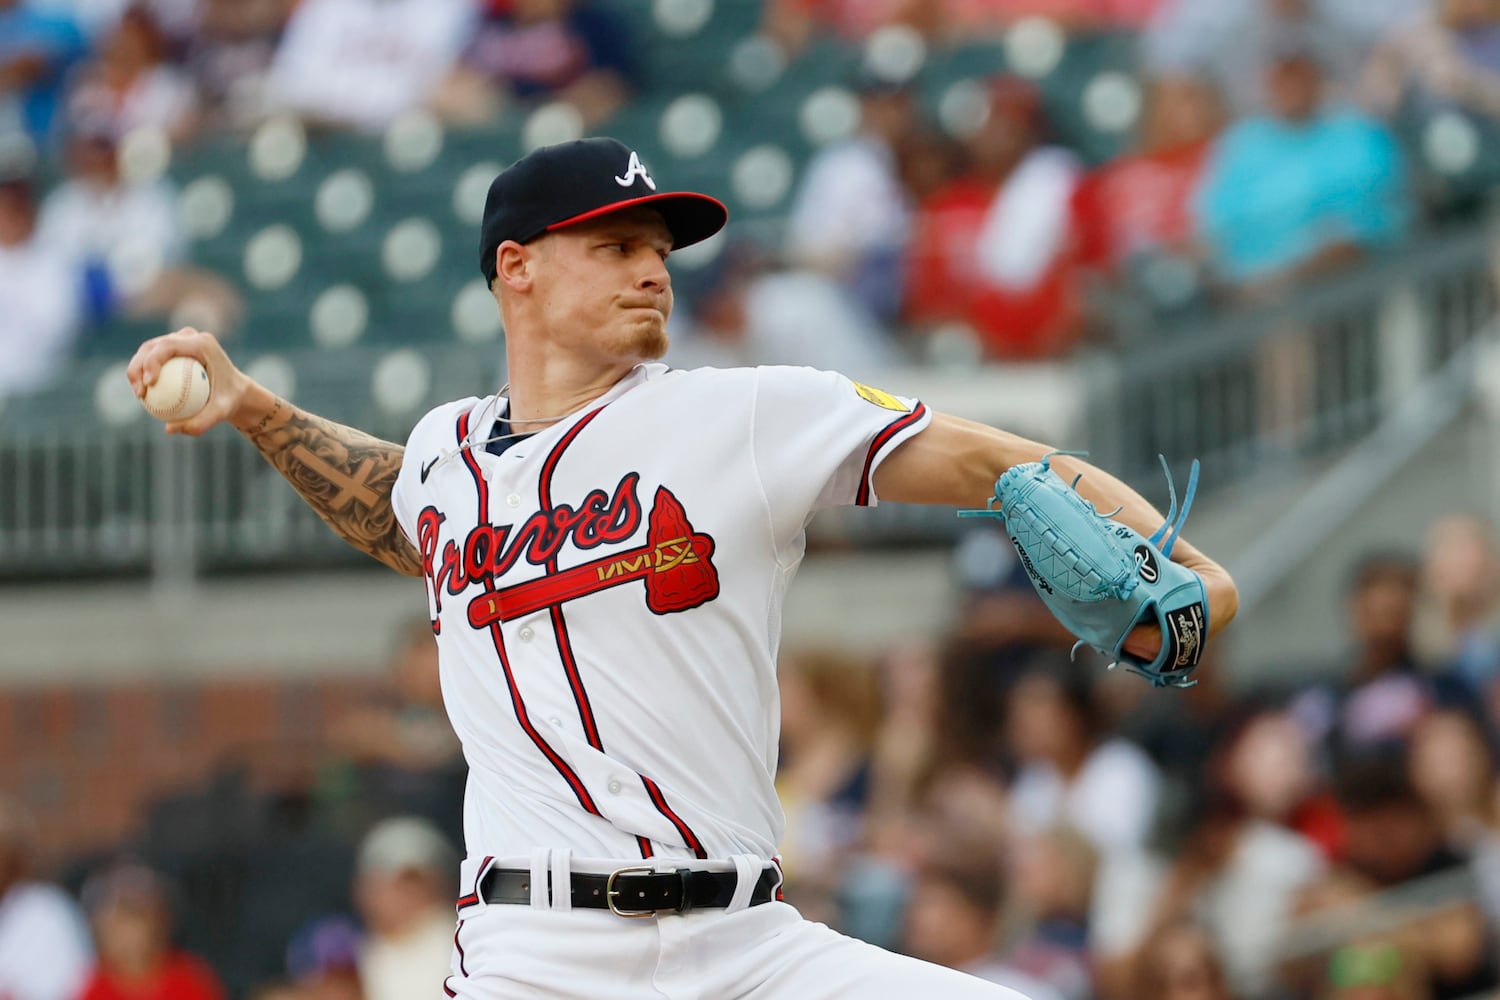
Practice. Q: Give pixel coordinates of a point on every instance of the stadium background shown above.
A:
(197, 680)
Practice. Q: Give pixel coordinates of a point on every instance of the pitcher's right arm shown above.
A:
(343, 473)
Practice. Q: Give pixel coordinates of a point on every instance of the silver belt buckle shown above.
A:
(611, 893)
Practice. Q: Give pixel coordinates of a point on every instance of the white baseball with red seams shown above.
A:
(181, 389)
(607, 600)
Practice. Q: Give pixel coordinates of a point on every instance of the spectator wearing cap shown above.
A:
(525, 50)
(851, 217)
(404, 885)
(131, 915)
(1302, 190)
(123, 238)
(322, 960)
(44, 944)
(996, 248)
(39, 311)
(37, 48)
(361, 63)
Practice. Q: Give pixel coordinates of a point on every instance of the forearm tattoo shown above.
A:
(344, 474)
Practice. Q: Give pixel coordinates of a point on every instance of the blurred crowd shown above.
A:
(1271, 145)
(977, 798)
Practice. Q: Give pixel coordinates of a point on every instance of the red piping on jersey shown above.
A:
(559, 625)
(462, 970)
(657, 800)
(862, 498)
(570, 663)
(584, 799)
(446, 988)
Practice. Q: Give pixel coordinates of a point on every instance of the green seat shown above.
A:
(279, 319)
(222, 156)
(824, 63)
(118, 338)
(417, 314)
(1063, 91)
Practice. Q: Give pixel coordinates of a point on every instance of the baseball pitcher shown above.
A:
(606, 544)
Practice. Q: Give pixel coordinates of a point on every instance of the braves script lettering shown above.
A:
(489, 550)
(675, 564)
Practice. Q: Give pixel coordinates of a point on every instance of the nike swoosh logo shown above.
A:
(428, 468)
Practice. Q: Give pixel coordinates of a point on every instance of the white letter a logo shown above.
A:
(633, 169)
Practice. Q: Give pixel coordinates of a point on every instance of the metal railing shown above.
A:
(1257, 393)
(1276, 386)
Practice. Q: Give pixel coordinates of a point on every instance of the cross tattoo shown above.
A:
(352, 486)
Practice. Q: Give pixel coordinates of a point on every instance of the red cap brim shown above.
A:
(691, 217)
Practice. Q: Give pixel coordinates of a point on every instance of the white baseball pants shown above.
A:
(766, 952)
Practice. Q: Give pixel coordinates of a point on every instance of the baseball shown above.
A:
(179, 392)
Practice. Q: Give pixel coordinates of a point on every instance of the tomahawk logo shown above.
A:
(634, 169)
(675, 564)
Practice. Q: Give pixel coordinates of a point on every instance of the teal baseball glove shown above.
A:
(1101, 578)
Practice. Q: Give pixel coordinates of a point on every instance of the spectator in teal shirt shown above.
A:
(1302, 190)
(36, 49)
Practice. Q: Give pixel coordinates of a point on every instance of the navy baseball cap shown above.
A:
(557, 186)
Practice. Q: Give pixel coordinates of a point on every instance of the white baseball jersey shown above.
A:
(607, 599)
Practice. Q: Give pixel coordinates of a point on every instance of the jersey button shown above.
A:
(525, 634)
(614, 786)
(514, 500)
(556, 722)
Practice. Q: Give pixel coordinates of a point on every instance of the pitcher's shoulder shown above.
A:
(440, 423)
(705, 380)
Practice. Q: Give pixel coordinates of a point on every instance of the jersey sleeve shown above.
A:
(818, 438)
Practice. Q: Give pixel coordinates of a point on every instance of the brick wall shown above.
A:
(88, 760)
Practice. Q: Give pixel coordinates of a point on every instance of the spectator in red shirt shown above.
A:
(132, 923)
(995, 249)
(1141, 204)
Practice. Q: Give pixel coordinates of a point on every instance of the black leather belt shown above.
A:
(637, 891)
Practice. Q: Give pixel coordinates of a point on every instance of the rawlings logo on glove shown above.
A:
(1101, 578)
